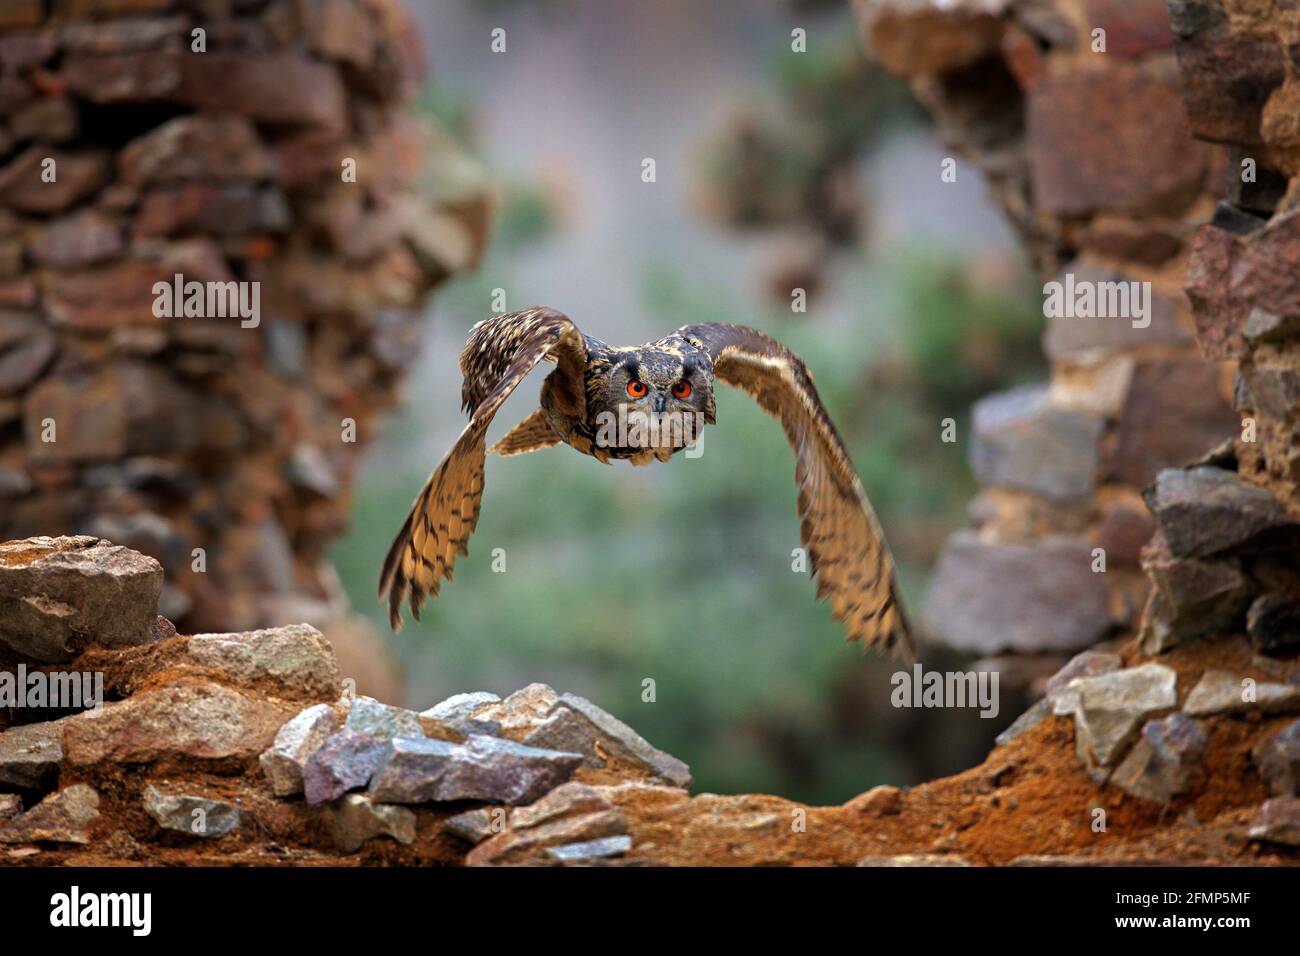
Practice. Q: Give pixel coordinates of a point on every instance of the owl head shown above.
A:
(665, 396)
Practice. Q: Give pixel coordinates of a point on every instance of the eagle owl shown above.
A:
(645, 403)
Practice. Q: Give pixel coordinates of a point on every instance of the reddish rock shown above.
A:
(76, 175)
(1145, 241)
(1266, 273)
(1172, 413)
(52, 119)
(1205, 510)
(1196, 596)
(26, 347)
(111, 296)
(1137, 156)
(58, 595)
(126, 77)
(308, 92)
(911, 38)
(22, 51)
(1134, 28)
(21, 14)
(219, 148)
(124, 409)
(83, 238)
(1124, 529)
(1227, 76)
(62, 817)
(125, 35)
(342, 30)
(1220, 318)
(204, 721)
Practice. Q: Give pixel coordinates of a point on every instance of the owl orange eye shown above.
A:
(636, 389)
(682, 390)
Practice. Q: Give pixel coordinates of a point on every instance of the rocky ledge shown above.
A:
(246, 749)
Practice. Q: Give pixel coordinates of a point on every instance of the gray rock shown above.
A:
(58, 595)
(579, 726)
(460, 706)
(368, 716)
(295, 742)
(1274, 388)
(1277, 758)
(1194, 596)
(11, 805)
(1108, 710)
(482, 768)
(1220, 692)
(1277, 821)
(30, 755)
(1164, 760)
(1021, 440)
(590, 849)
(410, 769)
(1088, 663)
(180, 720)
(525, 707)
(346, 761)
(355, 819)
(296, 657)
(192, 815)
(1205, 510)
(989, 597)
(62, 817)
(475, 826)
(1030, 718)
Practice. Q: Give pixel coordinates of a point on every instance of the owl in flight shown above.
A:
(645, 403)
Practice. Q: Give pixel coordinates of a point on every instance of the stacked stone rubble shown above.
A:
(1222, 621)
(218, 142)
(1230, 526)
(248, 741)
(1091, 158)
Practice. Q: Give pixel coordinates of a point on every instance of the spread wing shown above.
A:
(500, 352)
(840, 531)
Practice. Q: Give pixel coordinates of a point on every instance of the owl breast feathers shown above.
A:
(645, 403)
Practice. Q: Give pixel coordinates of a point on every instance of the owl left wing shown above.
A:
(500, 353)
(838, 526)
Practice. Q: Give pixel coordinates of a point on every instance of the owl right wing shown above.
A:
(845, 545)
(500, 352)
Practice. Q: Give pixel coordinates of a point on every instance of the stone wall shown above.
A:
(1090, 156)
(214, 140)
(1225, 556)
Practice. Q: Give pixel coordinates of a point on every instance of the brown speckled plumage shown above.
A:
(845, 545)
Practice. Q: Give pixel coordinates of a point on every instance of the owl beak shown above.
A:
(659, 404)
